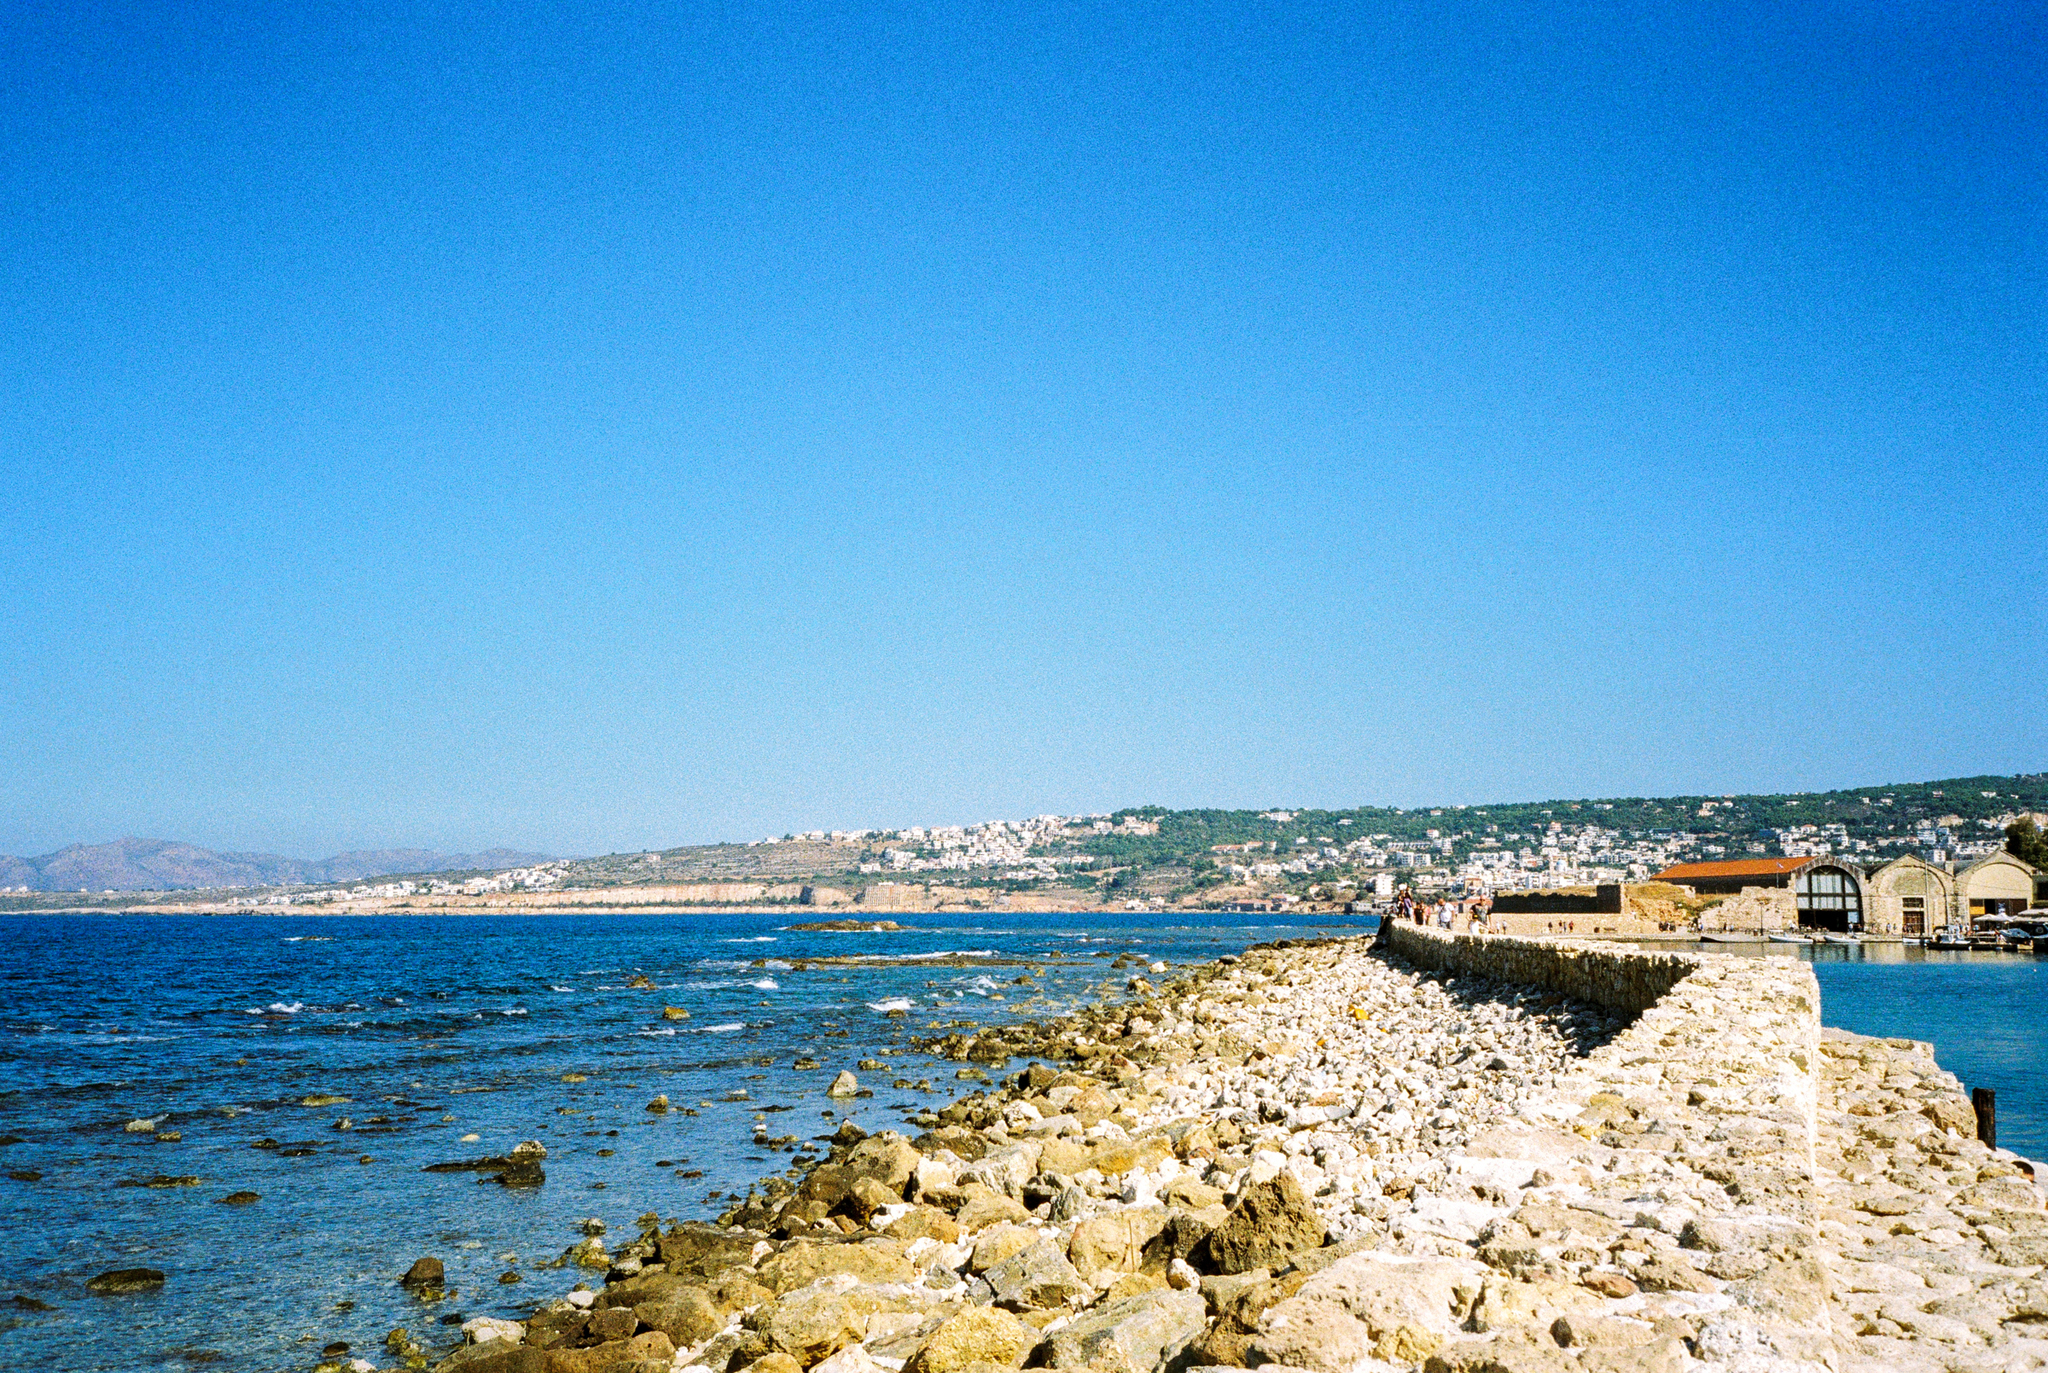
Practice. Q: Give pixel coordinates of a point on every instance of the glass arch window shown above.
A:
(1829, 899)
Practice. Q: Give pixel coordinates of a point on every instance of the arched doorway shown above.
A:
(1828, 898)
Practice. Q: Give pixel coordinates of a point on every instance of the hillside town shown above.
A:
(1157, 858)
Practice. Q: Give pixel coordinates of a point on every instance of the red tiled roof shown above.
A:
(1740, 867)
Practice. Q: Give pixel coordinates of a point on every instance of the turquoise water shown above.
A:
(1985, 1013)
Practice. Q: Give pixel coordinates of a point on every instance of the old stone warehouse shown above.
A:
(1906, 898)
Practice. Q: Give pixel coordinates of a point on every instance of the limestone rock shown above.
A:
(924, 1222)
(642, 1354)
(494, 1356)
(983, 1206)
(1005, 1170)
(803, 1263)
(1408, 1306)
(978, 1335)
(999, 1242)
(1103, 1246)
(1270, 1221)
(485, 1328)
(1322, 1337)
(1139, 1334)
(811, 1325)
(687, 1315)
(888, 1158)
(1038, 1276)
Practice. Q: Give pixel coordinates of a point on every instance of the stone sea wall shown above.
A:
(1621, 979)
(1820, 1194)
(1452, 1154)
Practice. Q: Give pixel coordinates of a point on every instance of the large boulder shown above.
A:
(803, 1263)
(1270, 1221)
(865, 1197)
(1037, 1278)
(978, 1335)
(923, 1222)
(1322, 1337)
(1140, 1334)
(1113, 1158)
(812, 1325)
(686, 1315)
(999, 1242)
(648, 1353)
(643, 1287)
(1006, 1170)
(552, 1327)
(1403, 1309)
(888, 1158)
(702, 1250)
(494, 1356)
(1104, 1246)
(982, 1206)
(1184, 1234)
(118, 1281)
(613, 1323)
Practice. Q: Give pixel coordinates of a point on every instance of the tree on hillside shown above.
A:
(2024, 841)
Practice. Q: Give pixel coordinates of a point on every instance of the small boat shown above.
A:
(1729, 938)
(1841, 939)
(1788, 939)
(1948, 939)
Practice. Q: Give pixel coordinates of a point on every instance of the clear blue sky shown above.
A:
(592, 428)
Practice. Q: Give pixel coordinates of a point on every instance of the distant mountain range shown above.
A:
(163, 865)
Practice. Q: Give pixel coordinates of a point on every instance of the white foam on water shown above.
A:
(750, 939)
(561, 989)
(923, 957)
(766, 984)
(894, 1003)
(776, 965)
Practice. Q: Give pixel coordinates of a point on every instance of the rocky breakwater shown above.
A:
(1328, 1157)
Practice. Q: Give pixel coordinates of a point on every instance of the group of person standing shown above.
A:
(1445, 914)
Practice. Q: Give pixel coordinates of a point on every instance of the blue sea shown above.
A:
(436, 1029)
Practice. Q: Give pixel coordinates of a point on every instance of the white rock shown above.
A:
(492, 1328)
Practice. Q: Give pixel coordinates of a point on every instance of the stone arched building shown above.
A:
(1828, 895)
(1911, 899)
(1996, 885)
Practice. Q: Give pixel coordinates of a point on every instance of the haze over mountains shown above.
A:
(165, 865)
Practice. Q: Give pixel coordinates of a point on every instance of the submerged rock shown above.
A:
(425, 1272)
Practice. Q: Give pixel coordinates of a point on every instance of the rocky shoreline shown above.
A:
(1331, 1156)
